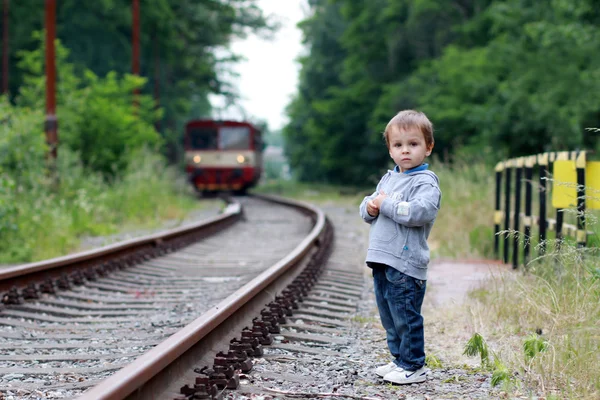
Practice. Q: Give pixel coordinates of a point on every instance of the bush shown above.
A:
(22, 143)
(108, 172)
(97, 117)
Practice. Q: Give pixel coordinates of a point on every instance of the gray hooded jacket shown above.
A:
(398, 235)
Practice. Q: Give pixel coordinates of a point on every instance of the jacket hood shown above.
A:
(420, 173)
(424, 173)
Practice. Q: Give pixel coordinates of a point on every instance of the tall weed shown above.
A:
(108, 178)
(559, 298)
(49, 222)
(463, 228)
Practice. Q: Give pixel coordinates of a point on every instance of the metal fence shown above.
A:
(568, 178)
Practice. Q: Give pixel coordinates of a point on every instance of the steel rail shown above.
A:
(125, 251)
(159, 373)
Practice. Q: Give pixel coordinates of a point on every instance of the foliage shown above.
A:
(534, 344)
(178, 41)
(22, 150)
(97, 118)
(496, 77)
(100, 133)
(477, 346)
(45, 222)
(308, 136)
(432, 361)
(22, 144)
(500, 374)
(467, 202)
(559, 295)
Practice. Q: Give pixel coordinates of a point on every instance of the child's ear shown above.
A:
(429, 150)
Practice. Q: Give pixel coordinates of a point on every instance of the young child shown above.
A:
(401, 212)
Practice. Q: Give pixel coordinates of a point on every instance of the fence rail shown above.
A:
(571, 180)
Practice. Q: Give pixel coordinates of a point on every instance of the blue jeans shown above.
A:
(399, 299)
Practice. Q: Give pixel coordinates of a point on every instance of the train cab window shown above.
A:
(259, 144)
(203, 138)
(234, 138)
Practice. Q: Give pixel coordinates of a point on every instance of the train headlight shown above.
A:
(241, 159)
(197, 159)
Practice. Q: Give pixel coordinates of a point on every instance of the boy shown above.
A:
(401, 212)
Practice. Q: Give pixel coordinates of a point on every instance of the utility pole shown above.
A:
(135, 45)
(5, 49)
(157, 125)
(51, 123)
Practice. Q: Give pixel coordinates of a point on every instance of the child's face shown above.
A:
(407, 147)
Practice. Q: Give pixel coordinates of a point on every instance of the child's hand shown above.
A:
(379, 199)
(372, 209)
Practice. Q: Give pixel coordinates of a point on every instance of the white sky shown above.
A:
(269, 75)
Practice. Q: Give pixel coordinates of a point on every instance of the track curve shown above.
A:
(61, 344)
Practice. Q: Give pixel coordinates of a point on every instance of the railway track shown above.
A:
(105, 312)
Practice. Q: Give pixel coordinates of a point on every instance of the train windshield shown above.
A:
(203, 138)
(234, 138)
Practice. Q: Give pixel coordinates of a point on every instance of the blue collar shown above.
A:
(421, 167)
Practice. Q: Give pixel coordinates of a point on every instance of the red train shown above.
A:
(223, 155)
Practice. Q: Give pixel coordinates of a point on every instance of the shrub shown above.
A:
(97, 117)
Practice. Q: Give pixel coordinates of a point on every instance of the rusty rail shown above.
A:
(26, 281)
(166, 371)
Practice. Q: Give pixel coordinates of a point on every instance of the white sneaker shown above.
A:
(402, 377)
(385, 369)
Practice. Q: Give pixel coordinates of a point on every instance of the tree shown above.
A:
(179, 37)
(498, 78)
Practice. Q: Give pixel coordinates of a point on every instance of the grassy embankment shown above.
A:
(52, 223)
(557, 296)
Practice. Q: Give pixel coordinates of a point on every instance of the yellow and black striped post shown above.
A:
(508, 169)
(542, 160)
(529, 163)
(581, 231)
(498, 211)
(559, 156)
(516, 220)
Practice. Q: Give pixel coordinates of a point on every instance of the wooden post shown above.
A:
(498, 211)
(51, 123)
(581, 230)
(517, 217)
(157, 124)
(508, 168)
(135, 45)
(543, 163)
(558, 156)
(529, 163)
(5, 48)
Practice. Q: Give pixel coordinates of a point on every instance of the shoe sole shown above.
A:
(418, 379)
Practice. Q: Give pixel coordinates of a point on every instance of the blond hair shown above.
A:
(408, 119)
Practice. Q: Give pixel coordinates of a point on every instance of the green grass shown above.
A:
(432, 361)
(463, 228)
(47, 222)
(559, 298)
